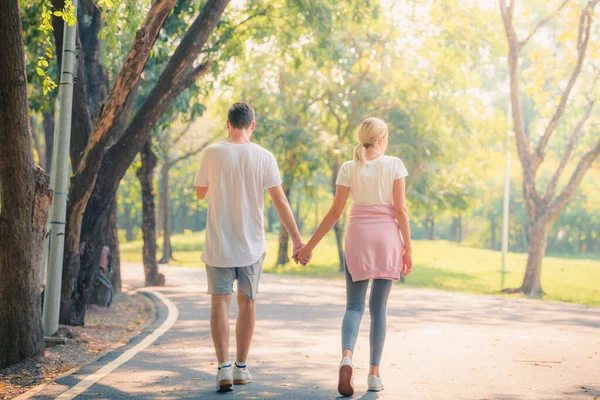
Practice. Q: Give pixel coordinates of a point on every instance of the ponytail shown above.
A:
(369, 131)
(359, 155)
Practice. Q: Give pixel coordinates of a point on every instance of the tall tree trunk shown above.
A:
(270, 218)
(284, 237)
(456, 232)
(128, 220)
(339, 238)
(317, 220)
(113, 243)
(544, 208)
(79, 270)
(95, 187)
(429, 227)
(145, 175)
(492, 233)
(338, 228)
(40, 150)
(538, 236)
(182, 221)
(297, 213)
(165, 212)
(48, 124)
(24, 202)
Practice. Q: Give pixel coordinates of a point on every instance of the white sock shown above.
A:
(240, 365)
(224, 364)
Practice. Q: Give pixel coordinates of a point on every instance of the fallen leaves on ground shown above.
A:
(105, 330)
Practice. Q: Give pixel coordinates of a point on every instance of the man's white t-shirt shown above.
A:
(373, 182)
(237, 176)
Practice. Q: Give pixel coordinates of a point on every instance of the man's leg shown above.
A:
(219, 325)
(244, 327)
(248, 281)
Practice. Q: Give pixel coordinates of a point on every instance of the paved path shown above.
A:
(439, 346)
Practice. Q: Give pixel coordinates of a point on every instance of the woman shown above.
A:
(377, 242)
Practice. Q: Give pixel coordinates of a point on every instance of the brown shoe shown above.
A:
(225, 379)
(345, 383)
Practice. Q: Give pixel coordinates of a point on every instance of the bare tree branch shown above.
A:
(361, 80)
(193, 152)
(543, 23)
(182, 133)
(572, 141)
(584, 164)
(218, 43)
(585, 24)
(335, 114)
(85, 176)
(523, 144)
(355, 101)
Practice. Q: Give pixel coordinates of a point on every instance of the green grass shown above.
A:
(438, 264)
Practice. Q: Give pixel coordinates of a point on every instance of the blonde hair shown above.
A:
(369, 131)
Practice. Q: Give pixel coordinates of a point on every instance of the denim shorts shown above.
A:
(220, 280)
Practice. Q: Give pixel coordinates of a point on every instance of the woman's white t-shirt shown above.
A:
(373, 182)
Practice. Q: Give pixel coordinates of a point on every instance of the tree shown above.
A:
(146, 176)
(99, 171)
(130, 203)
(24, 203)
(349, 81)
(544, 207)
(284, 120)
(87, 149)
(170, 156)
(41, 103)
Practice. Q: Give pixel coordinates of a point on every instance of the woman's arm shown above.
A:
(402, 217)
(332, 216)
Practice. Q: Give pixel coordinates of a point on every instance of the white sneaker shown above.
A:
(374, 383)
(225, 379)
(346, 383)
(241, 376)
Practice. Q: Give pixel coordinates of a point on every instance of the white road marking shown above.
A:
(173, 314)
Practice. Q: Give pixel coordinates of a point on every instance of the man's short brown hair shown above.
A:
(241, 115)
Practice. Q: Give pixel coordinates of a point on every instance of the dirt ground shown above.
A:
(106, 329)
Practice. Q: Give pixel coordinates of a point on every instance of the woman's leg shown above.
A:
(380, 291)
(355, 306)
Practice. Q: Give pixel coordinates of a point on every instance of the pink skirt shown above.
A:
(374, 246)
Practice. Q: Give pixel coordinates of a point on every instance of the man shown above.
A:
(236, 173)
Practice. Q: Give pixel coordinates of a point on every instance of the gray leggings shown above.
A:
(355, 306)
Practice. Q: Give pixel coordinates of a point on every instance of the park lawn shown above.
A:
(438, 265)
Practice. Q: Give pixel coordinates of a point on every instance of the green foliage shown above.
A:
(45, 27)
(120, 20)
(466, 270)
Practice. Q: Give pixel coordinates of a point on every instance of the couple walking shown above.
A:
(235, 173)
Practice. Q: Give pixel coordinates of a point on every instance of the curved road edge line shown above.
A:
(172, 316)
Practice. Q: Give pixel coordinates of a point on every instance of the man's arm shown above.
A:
(201, 192)
(281, 204)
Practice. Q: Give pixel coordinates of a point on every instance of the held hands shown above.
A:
(302, 255)
(407, 262)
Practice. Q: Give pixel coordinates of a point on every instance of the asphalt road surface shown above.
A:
(439, 345)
